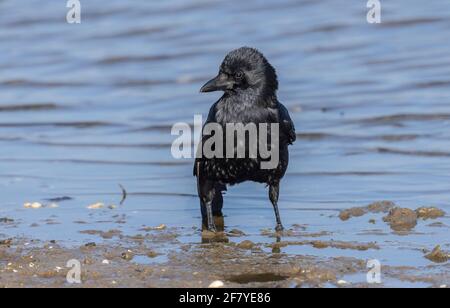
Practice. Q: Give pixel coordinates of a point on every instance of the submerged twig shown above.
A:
(124, 194)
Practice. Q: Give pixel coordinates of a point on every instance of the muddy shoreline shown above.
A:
(159, 257)
(39, 264)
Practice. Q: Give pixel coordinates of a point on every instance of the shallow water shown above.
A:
(84, 108)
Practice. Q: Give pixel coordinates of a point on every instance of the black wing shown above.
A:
(211, 118)
(286, 124)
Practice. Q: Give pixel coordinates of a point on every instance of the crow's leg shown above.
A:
(274, 192)
(217, 203)
(217, 206)
(206, 192)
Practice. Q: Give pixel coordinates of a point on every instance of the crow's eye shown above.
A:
(239, 75)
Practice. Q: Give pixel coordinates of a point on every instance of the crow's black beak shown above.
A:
(217, 84)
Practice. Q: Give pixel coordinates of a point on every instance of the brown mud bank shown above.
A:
(399, 219)
(332, 250)
(143, 261)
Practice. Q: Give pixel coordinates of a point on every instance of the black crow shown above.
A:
(249, 84)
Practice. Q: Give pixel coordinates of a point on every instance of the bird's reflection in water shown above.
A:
(217, 237)
(277, 248)
(221, 237)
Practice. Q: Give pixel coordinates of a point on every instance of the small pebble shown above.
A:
(33, 205)
(236, 232)
(246, 244)
(216, 284)
(96, 206)
(127, 256)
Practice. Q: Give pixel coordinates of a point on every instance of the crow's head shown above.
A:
(244, 70)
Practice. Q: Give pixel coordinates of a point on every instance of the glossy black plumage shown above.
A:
(249, 83)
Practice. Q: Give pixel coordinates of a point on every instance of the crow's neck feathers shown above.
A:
(254, 98)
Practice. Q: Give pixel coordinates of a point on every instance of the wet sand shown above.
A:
(160, 256)
(132, 263)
